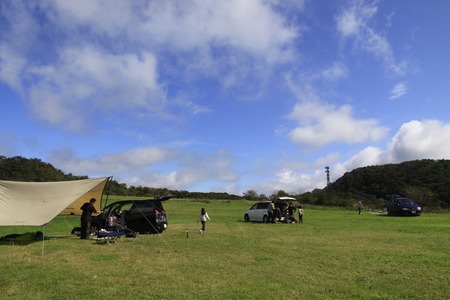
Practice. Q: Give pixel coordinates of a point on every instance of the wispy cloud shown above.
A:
(354, 22)
(336, 71)
(399, 90)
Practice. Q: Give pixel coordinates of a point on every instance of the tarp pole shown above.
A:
(43, 239)
(107, 190)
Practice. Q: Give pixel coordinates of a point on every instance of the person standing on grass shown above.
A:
(88, 209)
(202, 218)
(270, 212)
(360, 207)
(300, 214)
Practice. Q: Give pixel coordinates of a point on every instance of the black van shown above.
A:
(140, 216)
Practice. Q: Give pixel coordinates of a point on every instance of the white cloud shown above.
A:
(11, 66)
(353, 18)
(101, 17)
(419, 140)
(104, 55)
(80, 82)
(121, 163)
(153, 167)
(322, 124)
(336, 71)
(427, 139)
(399, 90)
(353, 22)
(249, 26)
(193, 168)
(369, 156)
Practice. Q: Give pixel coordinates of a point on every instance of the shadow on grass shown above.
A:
(21, 238)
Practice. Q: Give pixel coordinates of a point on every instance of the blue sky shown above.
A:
(224, 95)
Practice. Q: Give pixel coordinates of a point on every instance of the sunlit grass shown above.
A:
(335, 254)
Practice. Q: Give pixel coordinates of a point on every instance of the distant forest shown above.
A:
(34, 170)
(425, 181)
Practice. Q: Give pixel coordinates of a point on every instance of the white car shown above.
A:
(258, 212)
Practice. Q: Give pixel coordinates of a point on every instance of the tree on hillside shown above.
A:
(250, 195)
(279, 193)
(18, 168)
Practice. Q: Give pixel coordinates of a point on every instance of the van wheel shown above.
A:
(246, 218)
(266, 219)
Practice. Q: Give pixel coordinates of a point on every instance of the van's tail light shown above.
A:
(156, 212)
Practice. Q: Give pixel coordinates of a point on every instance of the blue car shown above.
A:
(402, 206)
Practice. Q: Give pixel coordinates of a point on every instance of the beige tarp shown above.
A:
(37, 203)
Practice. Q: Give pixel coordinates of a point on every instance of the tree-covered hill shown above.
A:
(33, 170)
(426, 181)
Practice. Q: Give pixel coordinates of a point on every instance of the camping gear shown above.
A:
(37, 203)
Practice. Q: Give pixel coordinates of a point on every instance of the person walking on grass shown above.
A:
(300, 214)
(202, 218)
(360, 205)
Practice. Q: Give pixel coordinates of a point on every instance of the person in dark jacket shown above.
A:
(88, 209)
(291, 210)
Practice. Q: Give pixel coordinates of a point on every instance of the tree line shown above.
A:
(426, 181)
(19, 168)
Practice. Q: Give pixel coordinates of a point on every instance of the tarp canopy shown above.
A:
(37, 203)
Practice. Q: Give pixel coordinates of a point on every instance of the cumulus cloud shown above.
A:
(80, 82)
(421, 139)
(193, 168)
(322, 124)
(61, 71)
(399, 90)
(369, 156)
(122, 163)
(426, 139)
(141, 166)
(250, 26)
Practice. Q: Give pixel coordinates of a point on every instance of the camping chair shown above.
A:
(128, 232)
(109, 236)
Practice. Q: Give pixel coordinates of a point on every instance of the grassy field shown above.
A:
(334, 254)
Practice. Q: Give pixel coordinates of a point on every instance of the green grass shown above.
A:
(335, 254)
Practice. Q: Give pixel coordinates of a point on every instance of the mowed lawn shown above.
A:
(334, 254)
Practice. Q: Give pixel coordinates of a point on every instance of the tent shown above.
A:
(37, 203)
